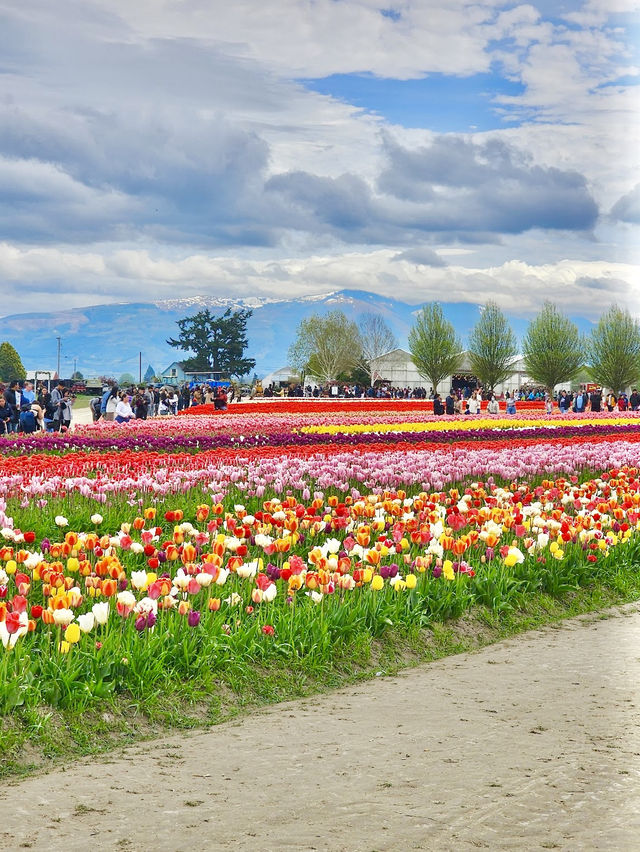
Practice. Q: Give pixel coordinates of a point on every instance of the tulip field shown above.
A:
(218, 558)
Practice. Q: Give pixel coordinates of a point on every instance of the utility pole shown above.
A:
(59, 339)
(140, 370)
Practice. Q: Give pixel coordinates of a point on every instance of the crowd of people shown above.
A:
(140, 403)
(26, 409)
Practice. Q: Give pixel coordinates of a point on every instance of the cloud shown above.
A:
(627, 208)
(134, 275)
(146, 147)
(451, 186)
(421, 256)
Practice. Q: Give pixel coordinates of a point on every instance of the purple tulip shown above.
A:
(193, 618)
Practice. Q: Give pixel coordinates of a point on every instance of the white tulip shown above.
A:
(101, 612)
(63, 617)
(86, 622)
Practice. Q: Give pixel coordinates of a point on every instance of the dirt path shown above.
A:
(532, 743)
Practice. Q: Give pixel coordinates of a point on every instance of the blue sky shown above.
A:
(444, 103)
(458, 149)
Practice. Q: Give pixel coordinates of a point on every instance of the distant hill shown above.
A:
(107, 339)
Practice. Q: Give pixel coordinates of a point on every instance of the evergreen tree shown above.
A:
(217, 343)
(10, 363)
(150, 374)
(434, 347)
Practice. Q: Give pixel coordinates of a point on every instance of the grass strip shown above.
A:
(37, 739)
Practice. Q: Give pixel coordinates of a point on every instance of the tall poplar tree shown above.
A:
(552, 347)
(492, 347)
(613, 350)
(435, 349)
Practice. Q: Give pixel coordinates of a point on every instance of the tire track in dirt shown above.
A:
(530, 743)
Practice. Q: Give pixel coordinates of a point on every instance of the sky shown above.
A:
(444, 149)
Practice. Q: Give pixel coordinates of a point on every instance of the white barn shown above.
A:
(397, 368)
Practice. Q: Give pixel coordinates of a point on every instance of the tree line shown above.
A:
(333, 347)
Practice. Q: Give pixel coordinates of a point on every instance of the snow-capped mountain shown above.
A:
(108, 339)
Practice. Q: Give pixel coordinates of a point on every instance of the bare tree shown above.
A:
(377, 338)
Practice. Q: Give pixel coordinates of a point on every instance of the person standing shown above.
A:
(13, 398)
(65, 411)
(5, 415)
(634, 400)
(141, 405)
(438, 407)
(548, 403)
(111, 404)
(151, 401)
(611, 401)
(450, 403)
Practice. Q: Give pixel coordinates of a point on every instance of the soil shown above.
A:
(532, 743)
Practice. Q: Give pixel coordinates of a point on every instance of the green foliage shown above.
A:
(117, 680)
(326, 346)
(492, 347)
(77, 376)
(217, 343)
(126, 379)
(10, 364)
(434, 347)
(552, 348)
(613, 350)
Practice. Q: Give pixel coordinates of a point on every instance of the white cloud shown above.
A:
(155, 126)
(585, 287)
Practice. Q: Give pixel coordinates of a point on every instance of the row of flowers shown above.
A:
(415, 435)
(309, 406)
(101, 477)
(297, 552)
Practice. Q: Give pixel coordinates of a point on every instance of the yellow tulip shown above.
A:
(11, 566)
(377, 583)
(72, 633)
(411, 580)
(64, 647)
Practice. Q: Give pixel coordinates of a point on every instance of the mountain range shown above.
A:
(113, 339)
